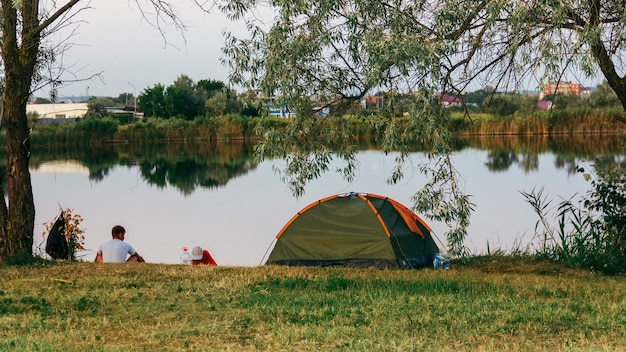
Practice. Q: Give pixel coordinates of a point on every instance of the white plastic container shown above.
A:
(185, 257)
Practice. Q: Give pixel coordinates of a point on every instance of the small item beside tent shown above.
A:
(56, 244)
(355, 229)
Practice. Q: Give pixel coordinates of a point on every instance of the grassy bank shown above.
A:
(488, 304)
(232, 127)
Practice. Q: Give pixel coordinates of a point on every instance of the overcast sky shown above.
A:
(132, 55)
(113, 39)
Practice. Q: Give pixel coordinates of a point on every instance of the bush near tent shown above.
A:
(355, 229)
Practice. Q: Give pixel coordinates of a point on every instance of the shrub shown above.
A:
(74, 234)
(590, 235)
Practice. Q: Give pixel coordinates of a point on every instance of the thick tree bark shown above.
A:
(604, 60)
(19, 58)
(3, 219)
(20, 220)
(20, 40)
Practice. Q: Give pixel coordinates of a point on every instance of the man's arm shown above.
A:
(98, 258)
(135, 258)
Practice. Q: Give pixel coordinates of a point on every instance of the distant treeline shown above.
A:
(113, 129)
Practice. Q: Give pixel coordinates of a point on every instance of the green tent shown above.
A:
(355, 229)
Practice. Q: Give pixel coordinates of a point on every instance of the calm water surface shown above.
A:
(237, 222)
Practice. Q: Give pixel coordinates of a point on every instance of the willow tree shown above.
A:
(340, 51)
(24, 24)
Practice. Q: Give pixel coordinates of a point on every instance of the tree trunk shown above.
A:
(604, 60)
(17, 217)
(20, 213)
(3, 218)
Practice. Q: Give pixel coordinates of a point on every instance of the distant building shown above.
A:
(544, 105)
(448, 100)
(373, 102)
(566, 88)
(57, 110)
(126, 109)
(280, 110)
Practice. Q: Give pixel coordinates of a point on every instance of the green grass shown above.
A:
(493, 303)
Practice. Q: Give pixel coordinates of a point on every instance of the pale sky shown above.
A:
(114, 39)
(132, 55)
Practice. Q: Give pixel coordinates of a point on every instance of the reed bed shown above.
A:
(362, 128)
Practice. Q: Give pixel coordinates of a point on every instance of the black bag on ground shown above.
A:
(56, 245)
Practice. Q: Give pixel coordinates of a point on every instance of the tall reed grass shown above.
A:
(576, 234)
(551, 122)
(362, 128)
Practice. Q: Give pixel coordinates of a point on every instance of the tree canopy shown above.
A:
(188, 100)
(343, 50)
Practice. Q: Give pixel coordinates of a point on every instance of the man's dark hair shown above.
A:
(117, 229)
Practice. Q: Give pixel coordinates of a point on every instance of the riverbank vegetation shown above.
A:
(361, 127)
(582, 238)
(588, 236)
(481, 304)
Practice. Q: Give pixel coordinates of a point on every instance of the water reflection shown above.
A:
(187, 166)
(501, 159)
(219, 197)
(187, 173)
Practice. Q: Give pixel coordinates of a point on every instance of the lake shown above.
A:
(234, 207)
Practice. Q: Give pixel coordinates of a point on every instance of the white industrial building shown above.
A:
(57, 110)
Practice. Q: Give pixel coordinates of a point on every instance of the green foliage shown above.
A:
(562, 101)
(216, 105)
(477, 97)
(604, 96)
(95, 129)
(345, 52)
(188, 100)
(42, 101)
(152, 101)
(25, 259)
(306, 145)
(210, 87)
(251, 110)
(608, 198)
(181, 100)
(97, 107)
(502, 104)
(591, 235)
(124, 99)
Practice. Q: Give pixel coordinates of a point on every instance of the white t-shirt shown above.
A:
(115, 251)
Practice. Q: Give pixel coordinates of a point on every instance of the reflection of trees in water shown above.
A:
(188, 174)
(529, 162)
(568, 163)
(184, 166)
(500, 159)
(524, 151)
(188, 166)
(578, 145)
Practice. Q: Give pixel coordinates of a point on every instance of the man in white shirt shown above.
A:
(116, 250)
